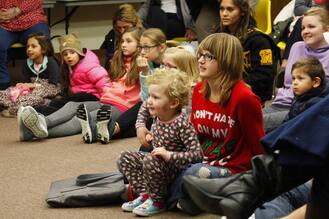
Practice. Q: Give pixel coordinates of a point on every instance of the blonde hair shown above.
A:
(127, 13)
(176, 83)
(117, 68)
(155, 35)
(185, 61)
(229, 55)
(321, 12)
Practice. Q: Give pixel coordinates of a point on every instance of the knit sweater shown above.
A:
(31, 14)
(229, 134)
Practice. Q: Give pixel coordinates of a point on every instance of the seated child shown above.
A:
(174, 140)
(40, 77)
(308, 84)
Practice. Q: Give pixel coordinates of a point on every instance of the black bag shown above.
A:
(280, 30)
(87, 190)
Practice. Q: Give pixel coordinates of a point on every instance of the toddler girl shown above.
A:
(40, 77)
(173, 138)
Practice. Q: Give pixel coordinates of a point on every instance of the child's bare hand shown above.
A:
(149, 137)
(142, 64)
(161, 152)
(142, 132)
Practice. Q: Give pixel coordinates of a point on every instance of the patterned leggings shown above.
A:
(147, 174)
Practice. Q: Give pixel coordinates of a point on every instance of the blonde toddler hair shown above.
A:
(176, 82)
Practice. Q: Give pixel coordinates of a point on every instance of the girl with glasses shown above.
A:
(226, 115)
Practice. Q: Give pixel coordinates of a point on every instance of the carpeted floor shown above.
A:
(28, 168)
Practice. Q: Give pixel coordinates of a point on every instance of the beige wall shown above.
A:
(92, 23)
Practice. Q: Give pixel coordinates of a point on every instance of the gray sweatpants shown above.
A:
(64, 122)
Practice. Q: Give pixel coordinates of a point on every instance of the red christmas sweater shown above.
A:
(230, 134)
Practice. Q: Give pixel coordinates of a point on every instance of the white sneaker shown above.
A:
(24, 133)
(35, 122)
(83, 116)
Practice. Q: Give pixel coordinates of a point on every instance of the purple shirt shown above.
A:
(298, 51)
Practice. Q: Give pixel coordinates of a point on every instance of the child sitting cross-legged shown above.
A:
(174, 140)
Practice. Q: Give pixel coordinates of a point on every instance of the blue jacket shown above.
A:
(303, 102)
(303, 140)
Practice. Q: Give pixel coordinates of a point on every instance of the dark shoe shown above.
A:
(188, 206)
(104, 116)
(83, 117)
(239, 195)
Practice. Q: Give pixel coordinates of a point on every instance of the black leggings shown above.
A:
(127, 122)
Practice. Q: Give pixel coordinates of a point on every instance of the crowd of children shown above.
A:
(195, 113)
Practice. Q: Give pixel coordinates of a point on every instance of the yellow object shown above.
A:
(281, 45)
(16, 45)
(262, 15)
(179, 39)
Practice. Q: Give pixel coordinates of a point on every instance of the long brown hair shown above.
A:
(229, 55)
(117, 69)
(245, 22)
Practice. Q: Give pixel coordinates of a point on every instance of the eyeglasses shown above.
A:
(206, 56)
(167, 66)
(147, 48)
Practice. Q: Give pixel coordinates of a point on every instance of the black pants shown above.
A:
(58, 103)
(291, 177)
(127, 122)
(169, 23)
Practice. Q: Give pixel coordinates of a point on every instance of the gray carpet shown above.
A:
(28, 168)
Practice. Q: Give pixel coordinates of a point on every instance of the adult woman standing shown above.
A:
(18, 19)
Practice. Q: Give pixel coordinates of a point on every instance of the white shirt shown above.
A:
(169, 6)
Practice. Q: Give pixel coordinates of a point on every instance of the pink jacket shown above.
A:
(88, 76)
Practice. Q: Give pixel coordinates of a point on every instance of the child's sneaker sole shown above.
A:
(33, 122)
(24, 135)
(103, 119)
(82, 115)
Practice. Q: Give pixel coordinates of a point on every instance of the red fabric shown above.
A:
(229, 135)
(32, 14)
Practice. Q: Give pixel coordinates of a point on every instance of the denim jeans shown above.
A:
(7, 38)
(273, 117)
(176, 191)
(285, 203)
